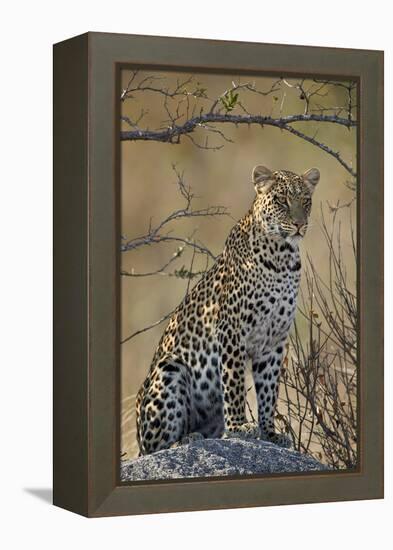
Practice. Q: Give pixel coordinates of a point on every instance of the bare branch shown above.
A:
(158, 271)
(182, 121)
(157, 235)
(318, 407)
(149, 327)
(173, 133)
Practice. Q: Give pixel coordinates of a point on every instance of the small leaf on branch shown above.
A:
(229, 100)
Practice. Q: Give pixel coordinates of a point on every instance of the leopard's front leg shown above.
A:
(266, 368)
(233, 363)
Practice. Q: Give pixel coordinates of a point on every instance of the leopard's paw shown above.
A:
(193, 436)
(188, 439)
(248, 430)
(279, 439)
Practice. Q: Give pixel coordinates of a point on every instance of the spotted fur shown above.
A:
(240, 311)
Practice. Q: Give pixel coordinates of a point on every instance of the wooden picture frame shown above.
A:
(86, 268)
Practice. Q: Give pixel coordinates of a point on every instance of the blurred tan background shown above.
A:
(218, 177)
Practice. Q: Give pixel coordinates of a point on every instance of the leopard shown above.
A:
(236, 317)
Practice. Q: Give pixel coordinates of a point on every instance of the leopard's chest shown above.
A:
(272, 304)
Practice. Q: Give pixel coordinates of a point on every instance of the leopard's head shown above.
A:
(282, 204)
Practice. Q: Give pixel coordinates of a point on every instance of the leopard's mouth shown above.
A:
(298, 233)
(294, 237)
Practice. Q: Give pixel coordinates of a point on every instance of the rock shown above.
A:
(218, 457)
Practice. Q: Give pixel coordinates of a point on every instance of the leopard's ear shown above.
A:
(262, 178)
(311, 179)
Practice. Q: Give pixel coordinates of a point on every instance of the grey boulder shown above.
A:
(218, 457)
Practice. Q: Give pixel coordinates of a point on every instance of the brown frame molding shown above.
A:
(86, 268)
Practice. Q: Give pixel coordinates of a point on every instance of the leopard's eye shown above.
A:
(281, 200)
